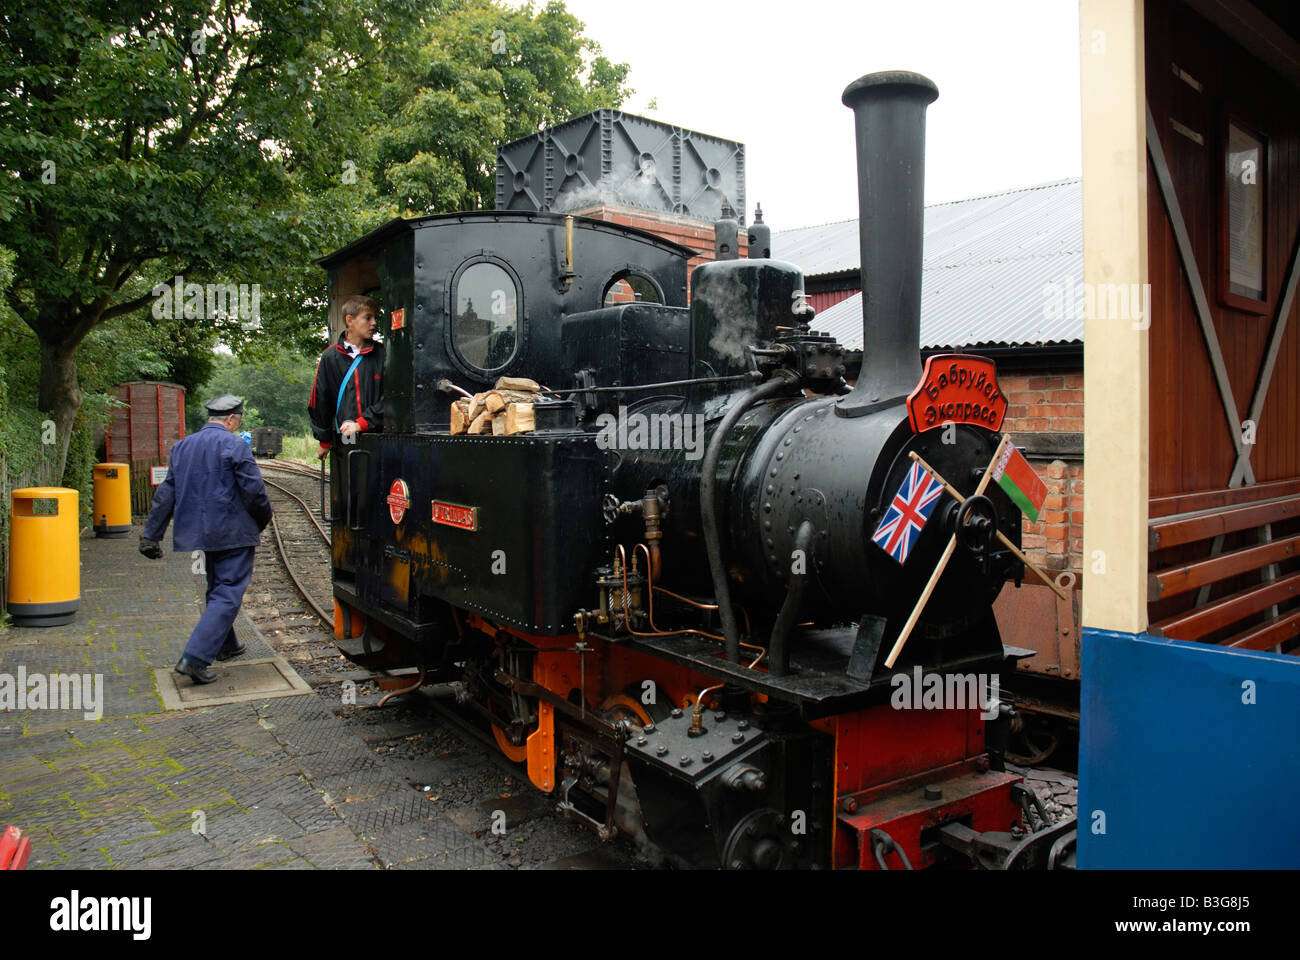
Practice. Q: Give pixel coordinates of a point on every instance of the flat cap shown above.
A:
(225, 405)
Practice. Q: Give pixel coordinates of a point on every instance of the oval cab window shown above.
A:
(485, 331)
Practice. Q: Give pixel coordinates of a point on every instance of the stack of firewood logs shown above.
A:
(503, 411)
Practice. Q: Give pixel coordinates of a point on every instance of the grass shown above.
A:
(301, 448)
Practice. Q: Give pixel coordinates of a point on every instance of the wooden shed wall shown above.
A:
(143, 433)
(151, 423)
(1190, 444)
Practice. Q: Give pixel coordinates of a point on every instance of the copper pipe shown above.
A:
(762, 651)
(699, 700)
(655, 631)
(653, 531)
(687, 600)
(651, 611)
(697, 716)
(419, 682)
(697, 713)
(709, 606)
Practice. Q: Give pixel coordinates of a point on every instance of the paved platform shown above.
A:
(254, 784)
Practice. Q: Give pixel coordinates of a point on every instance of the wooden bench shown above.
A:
(1213, 515)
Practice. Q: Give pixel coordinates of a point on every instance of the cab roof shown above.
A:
(399, 225)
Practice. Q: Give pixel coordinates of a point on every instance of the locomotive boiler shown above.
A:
(667, 597)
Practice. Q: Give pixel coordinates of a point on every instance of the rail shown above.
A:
(325, 618)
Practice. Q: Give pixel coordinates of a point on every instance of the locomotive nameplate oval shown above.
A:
(399, 499)
(957, 388)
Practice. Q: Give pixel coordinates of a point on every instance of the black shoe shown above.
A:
(236, 651)
(195, 670)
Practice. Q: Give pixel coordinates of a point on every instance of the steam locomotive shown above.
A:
(665, 598)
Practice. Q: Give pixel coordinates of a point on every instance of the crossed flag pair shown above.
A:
(911, 507)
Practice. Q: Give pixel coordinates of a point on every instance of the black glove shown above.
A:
(151, 549)
(262, 518)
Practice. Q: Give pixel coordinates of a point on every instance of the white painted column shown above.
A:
(1116, 368)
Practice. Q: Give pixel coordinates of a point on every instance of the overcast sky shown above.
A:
(770, 74)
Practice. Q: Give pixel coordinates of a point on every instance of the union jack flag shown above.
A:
(911, 507)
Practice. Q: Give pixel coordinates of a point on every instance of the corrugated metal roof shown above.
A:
(826, 248)
(996, 269)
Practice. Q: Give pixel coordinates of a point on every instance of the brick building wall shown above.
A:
(1042, 407)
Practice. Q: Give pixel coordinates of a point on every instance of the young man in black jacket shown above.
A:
(347, 397)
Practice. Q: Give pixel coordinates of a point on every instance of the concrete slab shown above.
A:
(237, 682)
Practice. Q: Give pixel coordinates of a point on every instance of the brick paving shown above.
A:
(274, 784)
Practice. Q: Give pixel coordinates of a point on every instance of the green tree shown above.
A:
(277, 389)
(233, 141)
(109, 355)
(483, 74)
(201, 139)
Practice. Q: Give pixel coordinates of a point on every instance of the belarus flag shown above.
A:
(1014, 475)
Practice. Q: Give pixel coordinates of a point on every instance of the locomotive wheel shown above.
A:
(512, 753)
(1036, 739)
(621, 706)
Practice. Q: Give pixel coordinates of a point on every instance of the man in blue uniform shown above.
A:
(216, 492)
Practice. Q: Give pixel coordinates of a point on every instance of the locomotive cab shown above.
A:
(468, 299)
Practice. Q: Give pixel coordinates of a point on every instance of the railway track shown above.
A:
(319, 610)
(289, 466)
(292, 599)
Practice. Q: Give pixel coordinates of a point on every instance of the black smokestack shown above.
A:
(889, 117)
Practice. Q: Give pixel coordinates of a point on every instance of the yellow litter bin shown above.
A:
(44, 557)
(112, 514)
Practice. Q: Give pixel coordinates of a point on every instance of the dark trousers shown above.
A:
(229, 572)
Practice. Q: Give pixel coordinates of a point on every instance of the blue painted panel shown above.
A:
(1187, 772)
